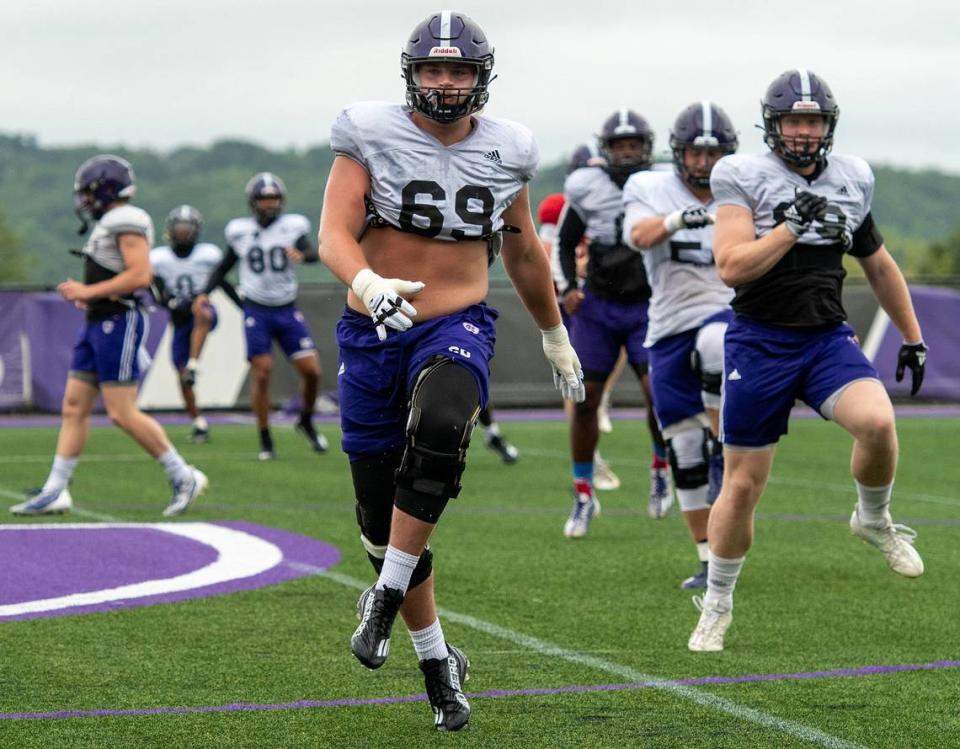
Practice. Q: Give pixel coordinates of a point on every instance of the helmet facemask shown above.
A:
(621, 165)
(446, 104)
(816, 149)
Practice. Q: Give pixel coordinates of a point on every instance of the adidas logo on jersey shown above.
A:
(493, 156)
(734, 375)
(843, 190)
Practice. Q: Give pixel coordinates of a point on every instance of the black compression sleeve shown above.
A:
(221, 271)
(231, 292)
(568, 237)
(310, 253)
(866, 239)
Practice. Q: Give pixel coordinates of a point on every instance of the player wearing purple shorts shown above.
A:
(180, 270)
(785, 219)
(107, 358)
(610, 312)
(268, 244)
(424, 192)
(668, 217)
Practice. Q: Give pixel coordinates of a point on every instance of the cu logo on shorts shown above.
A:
(471, 328)
(107, 327)
(250, 322)
(457, 350)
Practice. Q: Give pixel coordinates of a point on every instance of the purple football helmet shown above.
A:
(447, 36)
(799, 92)
(623, 124)
(585, 155)
(100, 182)
(701, 125)
(265, 185)
(183, 226)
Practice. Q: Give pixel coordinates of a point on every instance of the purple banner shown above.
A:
(938, 310)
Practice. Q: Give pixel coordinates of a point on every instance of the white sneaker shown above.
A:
(184, 492)
(713, 625)
(604, 479)
(603, 414)
(895, 543)
(586, 506)
(45, 503)
(661, 493)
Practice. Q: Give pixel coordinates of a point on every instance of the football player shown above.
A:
(180, 270)
(269, 243)
(785, 220)
(610, 312)
(668, 217)
(429, 192)
(108, 358)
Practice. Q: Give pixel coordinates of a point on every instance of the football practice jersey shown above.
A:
(185, 277)
(419, 185)
(681, 270)
(102, 257)
(804, 287)
(266, 274)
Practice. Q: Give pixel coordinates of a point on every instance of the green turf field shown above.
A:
(531, 609)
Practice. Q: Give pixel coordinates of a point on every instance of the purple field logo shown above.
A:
(80, 568)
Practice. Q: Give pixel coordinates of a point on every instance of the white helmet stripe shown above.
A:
(445, 27)
(805, 93)
(624, 121)
(707, 114)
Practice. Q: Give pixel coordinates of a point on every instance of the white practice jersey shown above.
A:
(598, 201)
(266, 273)
(686, 286)
(185, 277)
(102, 247)
(804, 288)
(419, 185)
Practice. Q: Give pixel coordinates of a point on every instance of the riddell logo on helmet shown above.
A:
(806, 106)
(445, 52)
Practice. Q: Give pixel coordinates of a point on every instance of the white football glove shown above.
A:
(691, 217)
(567, 373)
(382, 298)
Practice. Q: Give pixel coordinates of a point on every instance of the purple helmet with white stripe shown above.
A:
(799, 92)
(585, 155)
(701, 125)
(100, 182)
(451, 37)
(183, 226)
(265, 185)
(626, 124)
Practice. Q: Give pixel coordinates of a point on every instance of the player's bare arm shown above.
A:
(740, 256)
(527, 265)
(884, 276)
(136, 275)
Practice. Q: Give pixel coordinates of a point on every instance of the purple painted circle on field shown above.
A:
(47, 563)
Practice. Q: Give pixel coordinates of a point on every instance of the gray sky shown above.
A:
(164, 73)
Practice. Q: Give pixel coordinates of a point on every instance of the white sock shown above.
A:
(722, 577)
(175, 466)
(60, 473)
(429, 642)
(493, 430)
(703, 551)
(874, 503)
(200, 423)
(397, 569)
(192, 363)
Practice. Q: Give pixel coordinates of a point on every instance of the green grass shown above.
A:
(811, 598)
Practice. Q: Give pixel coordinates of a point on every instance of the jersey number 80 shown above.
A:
(472, 203)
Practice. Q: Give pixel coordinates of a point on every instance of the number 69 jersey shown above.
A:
(266, 276)
(419, 185)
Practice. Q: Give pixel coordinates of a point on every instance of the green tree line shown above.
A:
(915, 209)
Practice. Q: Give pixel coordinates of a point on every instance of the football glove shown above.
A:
(381, 296)
(912, 356)
(567, 373)
(691, 217)
(805, 208)
(833, 226)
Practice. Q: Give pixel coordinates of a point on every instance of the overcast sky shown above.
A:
(170, 72)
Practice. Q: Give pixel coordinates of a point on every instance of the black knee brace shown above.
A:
(710, 382)
(691, 477)
(443, 410)
(373, 484)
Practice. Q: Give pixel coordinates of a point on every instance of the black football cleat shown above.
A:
(317, 442)
(507, 452)
(377, 608)
(443, 678)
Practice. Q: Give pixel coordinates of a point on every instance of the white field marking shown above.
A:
(239, 555)
(700, 697)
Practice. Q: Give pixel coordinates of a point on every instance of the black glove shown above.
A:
(805, 208)
(833, 226)
(914, 357)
